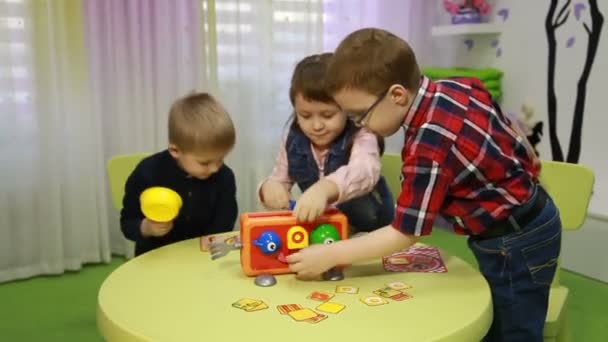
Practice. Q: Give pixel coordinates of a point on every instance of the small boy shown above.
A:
(461, 158)
(201, 134)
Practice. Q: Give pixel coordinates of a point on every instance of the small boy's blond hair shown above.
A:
(372, 60)
(199, 123)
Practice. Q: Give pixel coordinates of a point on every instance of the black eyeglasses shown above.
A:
(359, 119)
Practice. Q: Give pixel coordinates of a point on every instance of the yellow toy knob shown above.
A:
(297, 238)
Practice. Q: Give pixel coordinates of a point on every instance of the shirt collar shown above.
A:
(175, 166)
(421, 101)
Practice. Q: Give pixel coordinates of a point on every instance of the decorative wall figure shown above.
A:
(468, 11)
(552, 23)
(525, 122)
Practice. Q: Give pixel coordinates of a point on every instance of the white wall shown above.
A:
(523, 45)
(584, 251)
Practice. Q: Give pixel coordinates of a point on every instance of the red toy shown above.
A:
(267, 238)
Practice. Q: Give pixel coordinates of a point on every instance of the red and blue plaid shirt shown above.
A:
(461, 159)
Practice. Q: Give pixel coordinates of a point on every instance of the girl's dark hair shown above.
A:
(308, 80)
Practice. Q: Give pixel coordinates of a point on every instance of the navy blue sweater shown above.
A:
(209, 205)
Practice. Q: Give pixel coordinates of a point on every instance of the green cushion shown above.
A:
(496, 94)
(391, 170)
(493, 85)
(484, 74)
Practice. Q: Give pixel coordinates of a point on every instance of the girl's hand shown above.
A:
(274, 195)
(311, 204)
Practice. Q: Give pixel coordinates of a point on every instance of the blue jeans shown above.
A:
(519, 268)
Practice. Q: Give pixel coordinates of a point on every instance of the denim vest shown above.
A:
(303, 170)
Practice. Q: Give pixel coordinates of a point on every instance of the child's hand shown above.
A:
(153, 228)
(311, 204)
(274, 195)
(312, 261)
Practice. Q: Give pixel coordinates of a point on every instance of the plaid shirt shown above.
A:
(461, 159)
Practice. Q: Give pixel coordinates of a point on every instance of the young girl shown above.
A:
(333, 162)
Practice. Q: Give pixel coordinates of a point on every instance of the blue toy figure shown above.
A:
(268, 242)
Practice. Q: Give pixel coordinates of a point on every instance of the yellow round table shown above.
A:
(177, 293)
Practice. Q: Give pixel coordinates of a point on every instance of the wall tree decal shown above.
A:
(552, 23)
(597, 20)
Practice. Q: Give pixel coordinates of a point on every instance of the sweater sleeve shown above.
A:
(226, 209)
(131, 214)
(362, 172)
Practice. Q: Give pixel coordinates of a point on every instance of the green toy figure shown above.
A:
(324, 233)
(327, 234)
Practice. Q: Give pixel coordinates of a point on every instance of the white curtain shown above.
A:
(52, 210)
(258, 43)
(81, 81)
(142, 56)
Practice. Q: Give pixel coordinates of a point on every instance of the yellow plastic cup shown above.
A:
(160, 204)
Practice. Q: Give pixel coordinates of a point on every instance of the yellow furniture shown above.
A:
(570, 186)
(177, 293)
(119, 169)
(391, 170)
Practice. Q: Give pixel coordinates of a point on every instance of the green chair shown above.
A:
(119, 169)
(391, 170)
(570, 186)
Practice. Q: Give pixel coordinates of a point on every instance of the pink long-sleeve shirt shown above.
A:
(354, 179)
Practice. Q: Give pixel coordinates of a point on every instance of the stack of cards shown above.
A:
(397, 285)
(230, 240)
(415, 259)
(320, 296)
(347, 289)
(330, 307)
(250, 305)
(393, 290)
(300, 314)
(286, 308)
(393, 294)
(374, 300)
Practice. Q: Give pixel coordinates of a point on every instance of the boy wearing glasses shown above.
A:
(461, 158)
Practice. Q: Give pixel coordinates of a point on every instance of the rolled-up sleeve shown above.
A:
(362, 172)
(423, 189)
(279, 171)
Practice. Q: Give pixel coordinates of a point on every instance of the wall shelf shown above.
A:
(465, 29)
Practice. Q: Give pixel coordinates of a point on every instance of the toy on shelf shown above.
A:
(468, 11)
(160, 204)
